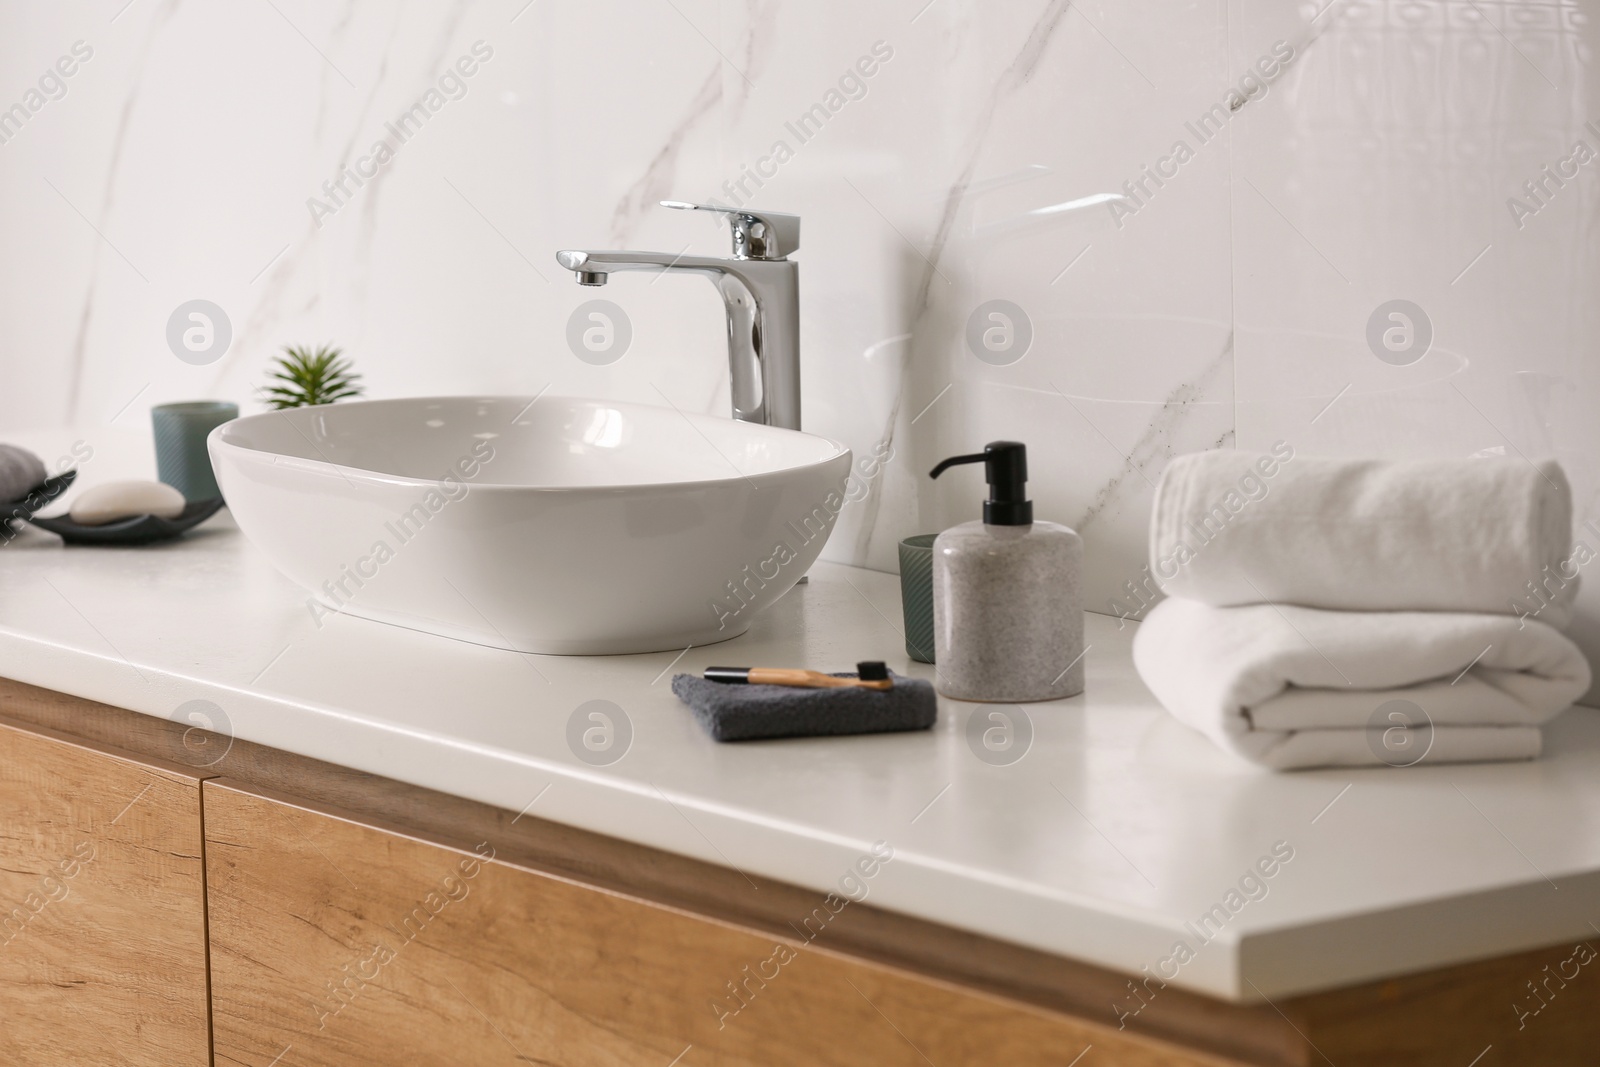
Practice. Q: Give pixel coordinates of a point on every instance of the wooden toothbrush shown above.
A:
(872, 674)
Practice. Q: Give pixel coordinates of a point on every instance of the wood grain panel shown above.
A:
(335, 943)
(1253, 1033)
(1447, 1016)
(1533, 1009)
(102, 912)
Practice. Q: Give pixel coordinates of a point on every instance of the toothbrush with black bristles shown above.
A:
(870, 674)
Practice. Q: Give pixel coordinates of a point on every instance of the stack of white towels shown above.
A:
(1348, 613)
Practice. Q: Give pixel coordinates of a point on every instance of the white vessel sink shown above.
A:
(558, 525)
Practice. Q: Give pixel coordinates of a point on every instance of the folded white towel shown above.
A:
(1289, 687)
(1480, 535)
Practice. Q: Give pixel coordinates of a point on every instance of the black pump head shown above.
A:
(872, 670)
(1006, 470)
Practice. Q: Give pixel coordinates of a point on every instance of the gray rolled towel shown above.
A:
(20, 471)
(749, 712)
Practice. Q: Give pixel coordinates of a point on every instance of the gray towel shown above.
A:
(20, 471)
(748, 712)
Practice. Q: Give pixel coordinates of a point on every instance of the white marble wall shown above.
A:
(1226, 306)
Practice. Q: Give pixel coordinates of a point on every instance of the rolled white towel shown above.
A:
(1291, 687)
(1479, 535)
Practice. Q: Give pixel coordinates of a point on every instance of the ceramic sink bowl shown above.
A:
(552, 525)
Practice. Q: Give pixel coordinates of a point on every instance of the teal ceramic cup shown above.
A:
(916, 595)
(182, 460)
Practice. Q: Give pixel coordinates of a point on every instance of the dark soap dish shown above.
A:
(36, 498)
(137, 530)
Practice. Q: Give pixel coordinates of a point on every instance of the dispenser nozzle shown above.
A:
(1006, 471)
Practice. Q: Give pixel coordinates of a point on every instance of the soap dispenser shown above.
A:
(1007, 601)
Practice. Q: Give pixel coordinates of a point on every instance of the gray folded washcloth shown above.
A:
(20, 471)
(748, 712)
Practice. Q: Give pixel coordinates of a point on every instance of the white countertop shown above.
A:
(1115, 828)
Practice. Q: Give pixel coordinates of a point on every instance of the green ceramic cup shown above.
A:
(182, 460)
(916, 595)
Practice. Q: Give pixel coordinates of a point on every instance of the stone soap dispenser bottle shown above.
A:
(1007, 603)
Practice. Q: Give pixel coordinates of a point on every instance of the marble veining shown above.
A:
(78, 357)
(1156, 444)
(658, 182)
(1008, 81)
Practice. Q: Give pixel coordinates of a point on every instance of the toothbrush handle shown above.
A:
(811, 679)
(786, 676)
(789, 677)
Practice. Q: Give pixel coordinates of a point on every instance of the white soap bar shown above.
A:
(123, 500)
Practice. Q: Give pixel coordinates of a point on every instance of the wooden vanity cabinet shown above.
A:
(337, 944)
(353, 920)
(102, 907)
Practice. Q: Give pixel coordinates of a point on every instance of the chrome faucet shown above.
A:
(760, 288)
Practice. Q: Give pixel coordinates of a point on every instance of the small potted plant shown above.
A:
(302, 378)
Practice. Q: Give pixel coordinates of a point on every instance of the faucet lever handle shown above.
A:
(756, 234)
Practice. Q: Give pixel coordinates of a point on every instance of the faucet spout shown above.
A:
(761, 297)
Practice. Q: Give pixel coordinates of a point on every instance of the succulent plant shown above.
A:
(303, 378)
